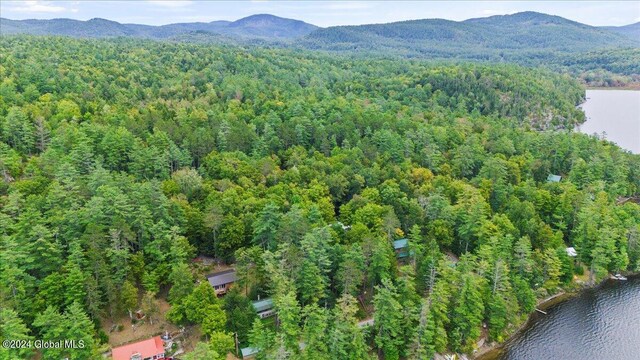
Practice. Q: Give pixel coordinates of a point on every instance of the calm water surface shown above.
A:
(601, 323)
(617, 113)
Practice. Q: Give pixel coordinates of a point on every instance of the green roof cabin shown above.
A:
(264, 308)
(401, 248)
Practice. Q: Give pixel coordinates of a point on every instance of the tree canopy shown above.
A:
(122, 159)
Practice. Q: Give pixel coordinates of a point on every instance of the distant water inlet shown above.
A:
(599, 324)
(616, 113)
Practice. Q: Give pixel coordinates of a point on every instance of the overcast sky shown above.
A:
(321, 13)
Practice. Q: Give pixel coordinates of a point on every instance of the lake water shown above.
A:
(602, 323)
(617, 113)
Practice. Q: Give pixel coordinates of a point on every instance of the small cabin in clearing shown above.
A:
(264, 308)
(222, 281)
(554, 178)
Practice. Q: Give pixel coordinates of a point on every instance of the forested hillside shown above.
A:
(599, 56)
(121, 160)
(509, 37)
(632, 31)
(608, 68)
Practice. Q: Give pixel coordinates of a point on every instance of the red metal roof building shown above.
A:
(150, 349)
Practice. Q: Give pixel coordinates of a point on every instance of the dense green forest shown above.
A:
(122, 159)
(598, 56)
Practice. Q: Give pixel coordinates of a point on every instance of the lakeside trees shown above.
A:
(122, 159)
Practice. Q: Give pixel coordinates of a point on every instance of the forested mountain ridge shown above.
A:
(255, 26)
(269, 26)
(598, 56)
(536, 30)
(122, 159)
(522, 31)
(632, 30)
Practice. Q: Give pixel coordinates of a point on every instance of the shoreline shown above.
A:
(625, 88)
(494, 350)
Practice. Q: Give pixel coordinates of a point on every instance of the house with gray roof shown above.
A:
(222, 281)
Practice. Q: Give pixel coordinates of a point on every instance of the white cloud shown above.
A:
(37, 7)
(171, 4)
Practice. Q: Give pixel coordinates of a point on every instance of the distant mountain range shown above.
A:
(262, 26)
(523, 37)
